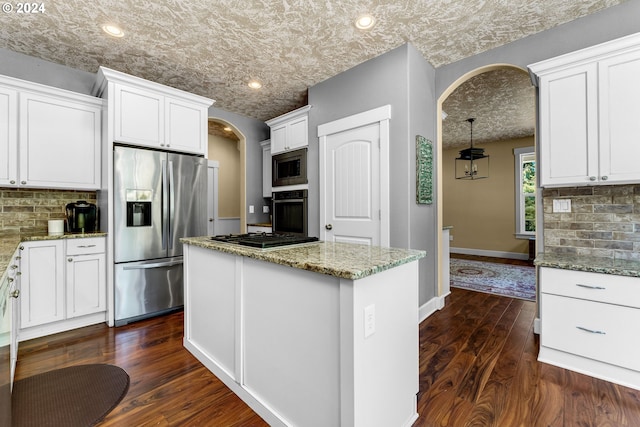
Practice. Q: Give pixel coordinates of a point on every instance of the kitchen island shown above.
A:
(317, 334)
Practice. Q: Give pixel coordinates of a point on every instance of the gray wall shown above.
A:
(36, 70)
(403, 79)
(254, 131)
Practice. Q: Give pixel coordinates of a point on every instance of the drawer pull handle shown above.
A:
(86, 246)
(589, 286)
(591, 331)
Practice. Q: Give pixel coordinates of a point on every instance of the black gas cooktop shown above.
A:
(264, 240)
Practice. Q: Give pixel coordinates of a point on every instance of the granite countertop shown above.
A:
(9, 243)
(589, 264)
(344, 260)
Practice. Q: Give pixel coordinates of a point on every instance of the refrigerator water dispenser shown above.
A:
(138, 208)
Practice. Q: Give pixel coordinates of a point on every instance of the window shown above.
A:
(525, 172)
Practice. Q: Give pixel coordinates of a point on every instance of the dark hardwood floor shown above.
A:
(478, 367)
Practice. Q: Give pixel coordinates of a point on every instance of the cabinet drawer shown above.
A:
(89, 245)
(599, 331)
(599, 287)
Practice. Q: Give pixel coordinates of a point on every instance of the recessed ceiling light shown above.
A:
(113, 30)
(365, 22)
(254, 84)
(226, 129)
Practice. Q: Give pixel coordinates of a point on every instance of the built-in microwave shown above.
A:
(289, 168)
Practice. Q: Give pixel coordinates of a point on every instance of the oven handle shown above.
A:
(289, 201)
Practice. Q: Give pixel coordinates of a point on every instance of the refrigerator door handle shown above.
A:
(172, 208)
(165, 204)
(152, 265)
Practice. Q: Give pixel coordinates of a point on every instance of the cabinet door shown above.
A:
(8, 137)
(185, 126)
(297, 134)
(42, 283)
(266, 169)
(278, 139)
(139, 116)
(569, 127)
(619, 96)
(86, 284)
(59, 143)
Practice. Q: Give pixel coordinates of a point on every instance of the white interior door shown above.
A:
(353, 179)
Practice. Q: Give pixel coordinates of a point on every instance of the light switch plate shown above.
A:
(561, 205)
(251, 209)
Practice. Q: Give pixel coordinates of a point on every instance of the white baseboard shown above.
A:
(537, 326)
(483, 252)
(430, 307)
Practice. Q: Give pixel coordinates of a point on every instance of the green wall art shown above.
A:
(424, 171)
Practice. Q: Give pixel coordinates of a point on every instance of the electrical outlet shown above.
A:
(265, 209)
(251, 209)
(369, 320)
(451, 237)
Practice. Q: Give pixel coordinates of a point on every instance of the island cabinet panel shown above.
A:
(210, 306)
(303, 348)
(291, 348)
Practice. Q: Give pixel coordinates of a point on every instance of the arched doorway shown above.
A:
(499, 119)
(227, 146)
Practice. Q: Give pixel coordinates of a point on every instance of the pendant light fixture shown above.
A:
(472, 163)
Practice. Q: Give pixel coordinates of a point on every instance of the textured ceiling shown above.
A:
(502, 102)
(213, 48)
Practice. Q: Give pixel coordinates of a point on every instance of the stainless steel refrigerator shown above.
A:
(159, 197)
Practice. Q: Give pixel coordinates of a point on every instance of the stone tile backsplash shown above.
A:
(604, 221)
(29, 210)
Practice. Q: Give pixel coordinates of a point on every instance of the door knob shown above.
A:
(210, 219)
(328, 226)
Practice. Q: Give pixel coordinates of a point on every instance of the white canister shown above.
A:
(56, 227)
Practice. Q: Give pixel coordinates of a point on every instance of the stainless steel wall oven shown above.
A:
(290, 212)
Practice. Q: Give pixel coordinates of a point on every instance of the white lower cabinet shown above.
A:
(42, 283)
(590, 324)
(86, 285)
(63, 286)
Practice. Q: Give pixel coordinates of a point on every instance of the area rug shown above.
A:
(78, 396)
(513, 281)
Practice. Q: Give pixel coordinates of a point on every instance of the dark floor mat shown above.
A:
(78, 396)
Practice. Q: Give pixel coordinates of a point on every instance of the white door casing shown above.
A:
(354, 178)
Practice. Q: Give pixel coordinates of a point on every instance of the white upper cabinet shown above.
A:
(8, 136)
(290, 131)
(59, 142)
(267, 178)
(139, 116)
(49, 137)
(152, 115)
(589, 104)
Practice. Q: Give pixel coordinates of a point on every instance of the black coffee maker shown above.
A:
(82, 217)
